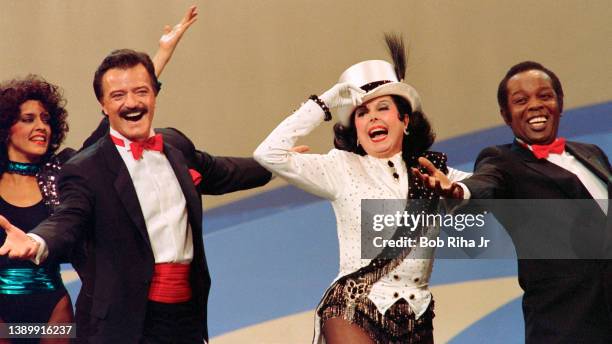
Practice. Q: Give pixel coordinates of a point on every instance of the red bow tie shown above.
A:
(542, 151)
(154, 143)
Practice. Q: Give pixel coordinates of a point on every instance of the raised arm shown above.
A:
(315, 173)
(170, 39)
(167, 44)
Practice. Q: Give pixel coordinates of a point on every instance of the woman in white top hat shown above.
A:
(380, 134)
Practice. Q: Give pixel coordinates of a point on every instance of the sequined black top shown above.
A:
(48, 176)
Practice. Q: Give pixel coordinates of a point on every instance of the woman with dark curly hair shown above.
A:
(381, 134)
(32, 128)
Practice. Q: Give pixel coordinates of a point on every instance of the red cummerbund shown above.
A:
(170, 283)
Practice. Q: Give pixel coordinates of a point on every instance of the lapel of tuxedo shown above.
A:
(125, 187)
(177, 161)
(589, 159)
(566, 181)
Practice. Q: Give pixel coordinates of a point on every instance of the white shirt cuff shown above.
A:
(466, 192)
(43, 250)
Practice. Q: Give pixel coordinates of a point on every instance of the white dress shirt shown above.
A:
(345, 179)
(595, 186)
(162, 203)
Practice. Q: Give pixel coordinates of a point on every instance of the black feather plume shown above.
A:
(395, 45)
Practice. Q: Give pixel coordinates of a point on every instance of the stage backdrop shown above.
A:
(246, 64)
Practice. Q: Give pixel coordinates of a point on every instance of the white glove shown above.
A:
(341, 99)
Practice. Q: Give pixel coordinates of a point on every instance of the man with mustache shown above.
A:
(134, 197)
(565, 300)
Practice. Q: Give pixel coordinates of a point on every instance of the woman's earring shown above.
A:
(406, 130)
(357, 142)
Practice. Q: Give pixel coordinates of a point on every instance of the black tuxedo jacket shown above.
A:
(564, 301)
(99, 206)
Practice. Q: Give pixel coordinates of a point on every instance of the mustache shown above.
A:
(141, 108)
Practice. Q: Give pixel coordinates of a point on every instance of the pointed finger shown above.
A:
(355, 88)
(423, 177)
(429, 166)
(417, 173)
(429, 181)
(4, 250)
(4, 223)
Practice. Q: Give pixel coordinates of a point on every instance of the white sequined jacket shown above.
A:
(345, 179)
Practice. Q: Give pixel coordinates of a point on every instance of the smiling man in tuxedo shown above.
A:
(134, 198)
(565, 300)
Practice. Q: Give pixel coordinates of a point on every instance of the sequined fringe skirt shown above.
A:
(348, 300)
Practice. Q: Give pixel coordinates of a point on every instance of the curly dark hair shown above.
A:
(420, 134)
(15, 92)
(502, 89)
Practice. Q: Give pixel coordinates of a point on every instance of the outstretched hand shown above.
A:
(437, 181)
(170, 39)
(173, 35)
(18, 245)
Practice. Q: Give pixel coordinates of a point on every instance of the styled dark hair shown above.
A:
(15, 92)
(502, 90)
(124, 59)
(420, 135)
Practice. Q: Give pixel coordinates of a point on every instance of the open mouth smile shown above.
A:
(378, 133)
(134, 116)
(39, 139)
(538, 122)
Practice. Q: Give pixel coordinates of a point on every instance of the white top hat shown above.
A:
(377, 78)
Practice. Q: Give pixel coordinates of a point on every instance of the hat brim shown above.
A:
(392, 88)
